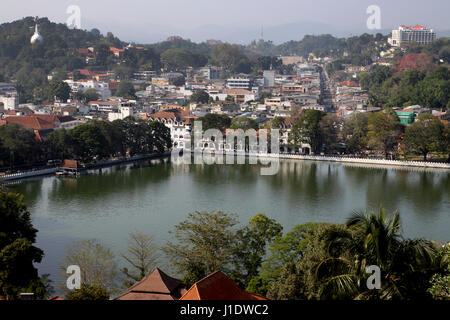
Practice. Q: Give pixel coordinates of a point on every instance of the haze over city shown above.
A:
(278, 21)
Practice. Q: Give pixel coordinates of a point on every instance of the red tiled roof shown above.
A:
(217, 286)
(163, 115)
(156, 286)
(116, 49)
(237, 91)
(348, 83)
(31, 122)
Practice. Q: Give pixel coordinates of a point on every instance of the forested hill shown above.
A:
(57, 50)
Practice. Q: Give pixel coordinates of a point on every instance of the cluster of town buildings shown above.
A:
(159, 96)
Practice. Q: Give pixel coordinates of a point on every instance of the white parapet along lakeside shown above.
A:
(439, 165)
(27, 174)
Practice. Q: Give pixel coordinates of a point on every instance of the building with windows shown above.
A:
(125, 110)
(9, 98)
(410, 34)
(83, 85)
(180, 124)
(240, 83)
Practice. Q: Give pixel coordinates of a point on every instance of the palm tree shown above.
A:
(374, 239)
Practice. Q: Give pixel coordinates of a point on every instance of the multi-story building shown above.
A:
(269, 78)
(83, 85)
(409, 34)
(180, 125)
(8, 96)
(125, 110)
(240, 83)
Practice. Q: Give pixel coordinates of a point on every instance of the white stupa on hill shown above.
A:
(36, 36)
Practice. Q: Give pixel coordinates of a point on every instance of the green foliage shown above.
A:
(330, 127)
(97, 140)
(178, 60)
(440, 282)
(329, 262)
(215, 121)
(424, 135)
(251, 247)
(384, 131)
(126, 90)
(88, 292)
(17, 252)
(374, 239)
(355, 132)
(231, 57)
(307, 130)
(18, 145)
(243, 123)
(58, 89)
(199, 96)
(205, 243)
(180, 81)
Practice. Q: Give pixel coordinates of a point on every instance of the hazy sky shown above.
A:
(148, 19)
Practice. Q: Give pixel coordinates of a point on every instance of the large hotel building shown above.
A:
(408, 34)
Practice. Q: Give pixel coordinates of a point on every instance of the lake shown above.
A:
(153, 196)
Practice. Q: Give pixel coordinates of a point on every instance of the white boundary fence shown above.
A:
(358, 160)
(28, 174)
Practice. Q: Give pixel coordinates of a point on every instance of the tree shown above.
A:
(126, 90)
(176, 59)
(17, 252)
(58, 89)
(355, 132)
(102, 53)
(88, 292)
(91, 94)
(384, 131)
(307, 130)
(290, 268)
(97, 264)
(227, 55)
(19, 144)
(200, 96)
(142, 254)
(330, 130)
(424, 135)
(180, 81)
(253, 239)
(160, 135)
(440, 282)
(205, 243)
(374, 239)
(215, 121)
(243, 123)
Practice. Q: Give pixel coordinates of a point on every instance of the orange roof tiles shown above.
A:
(217, 286)
(237, 91)
(31, 122)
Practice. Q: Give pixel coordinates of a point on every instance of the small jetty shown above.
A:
(70, 168)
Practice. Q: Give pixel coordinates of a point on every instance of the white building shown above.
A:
(125, 110)
(240, 83)
(180, 128)
(8, 96)
(101, 87)
(269, 78)
(409, 34)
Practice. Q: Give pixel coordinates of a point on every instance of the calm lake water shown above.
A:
(152, 197)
